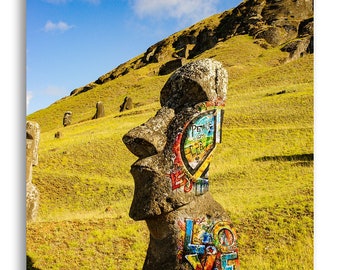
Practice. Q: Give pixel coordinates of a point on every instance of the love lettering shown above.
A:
(209, 246)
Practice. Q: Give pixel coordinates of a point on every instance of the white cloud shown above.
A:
(189, 10)
(60, 26)
(29, 96)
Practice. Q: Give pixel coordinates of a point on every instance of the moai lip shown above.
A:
(188, 228)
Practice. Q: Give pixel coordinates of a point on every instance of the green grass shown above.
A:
(262, 173)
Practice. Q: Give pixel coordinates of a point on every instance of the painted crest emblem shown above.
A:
(193, 148)
(198, 140)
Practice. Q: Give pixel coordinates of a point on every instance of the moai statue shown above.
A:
(188, 228)
(58, 134)
(32, 193)
(99, 110)
(126, 105)
(67, 118)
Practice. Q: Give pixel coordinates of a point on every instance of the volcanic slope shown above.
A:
(262, 173)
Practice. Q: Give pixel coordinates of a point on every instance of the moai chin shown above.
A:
(188, 228)
(32, 193)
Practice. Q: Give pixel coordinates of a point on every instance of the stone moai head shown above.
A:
(67, 118)
(171, 175)
(100, 112)
(32, 144)
(174, 147)
(126, 105)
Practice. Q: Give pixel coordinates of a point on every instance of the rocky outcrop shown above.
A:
(205, 40)
(275, 21)
(83, 89)
(285, 23)
(304, 43)
(170, 66)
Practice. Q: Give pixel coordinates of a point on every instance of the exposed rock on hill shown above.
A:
(284, 23)
(170, 66)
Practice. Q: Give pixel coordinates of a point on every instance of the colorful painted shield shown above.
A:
(199, 140)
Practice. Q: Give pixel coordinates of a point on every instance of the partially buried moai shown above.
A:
(100, 112)
(126, 105)
(188, 228)
(32, 193)
(67, 119)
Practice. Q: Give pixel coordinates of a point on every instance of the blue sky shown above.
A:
(70, 43)
(43, 46)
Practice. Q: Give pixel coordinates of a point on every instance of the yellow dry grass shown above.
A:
(262, 173)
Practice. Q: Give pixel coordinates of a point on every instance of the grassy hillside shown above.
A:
(262, 173)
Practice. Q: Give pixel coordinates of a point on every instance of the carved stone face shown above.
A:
(188, 228)
(67, 119)
(32, 143)
(175, 146)
(32, 194)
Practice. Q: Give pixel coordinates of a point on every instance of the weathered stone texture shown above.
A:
(32, 142)
(171, 175)
(126, 105)
(32, 202)
(32, 193)
(67, 120)
(149, 138)
(100, 112)
(195, 82)
(170, 66)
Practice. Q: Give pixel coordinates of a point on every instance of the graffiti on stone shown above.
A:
(192, 150)
(206, 244)
(188, 228)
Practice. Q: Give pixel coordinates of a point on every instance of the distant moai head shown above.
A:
(126, 105)
(58, 134)
(188, 228)
(32, 145)
(67, 119)
(175, 146)
(99, 110)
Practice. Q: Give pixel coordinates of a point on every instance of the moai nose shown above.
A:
(152, 192)
(149, 138)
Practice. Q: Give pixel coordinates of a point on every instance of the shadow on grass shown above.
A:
(29, 264)
(303, 159)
